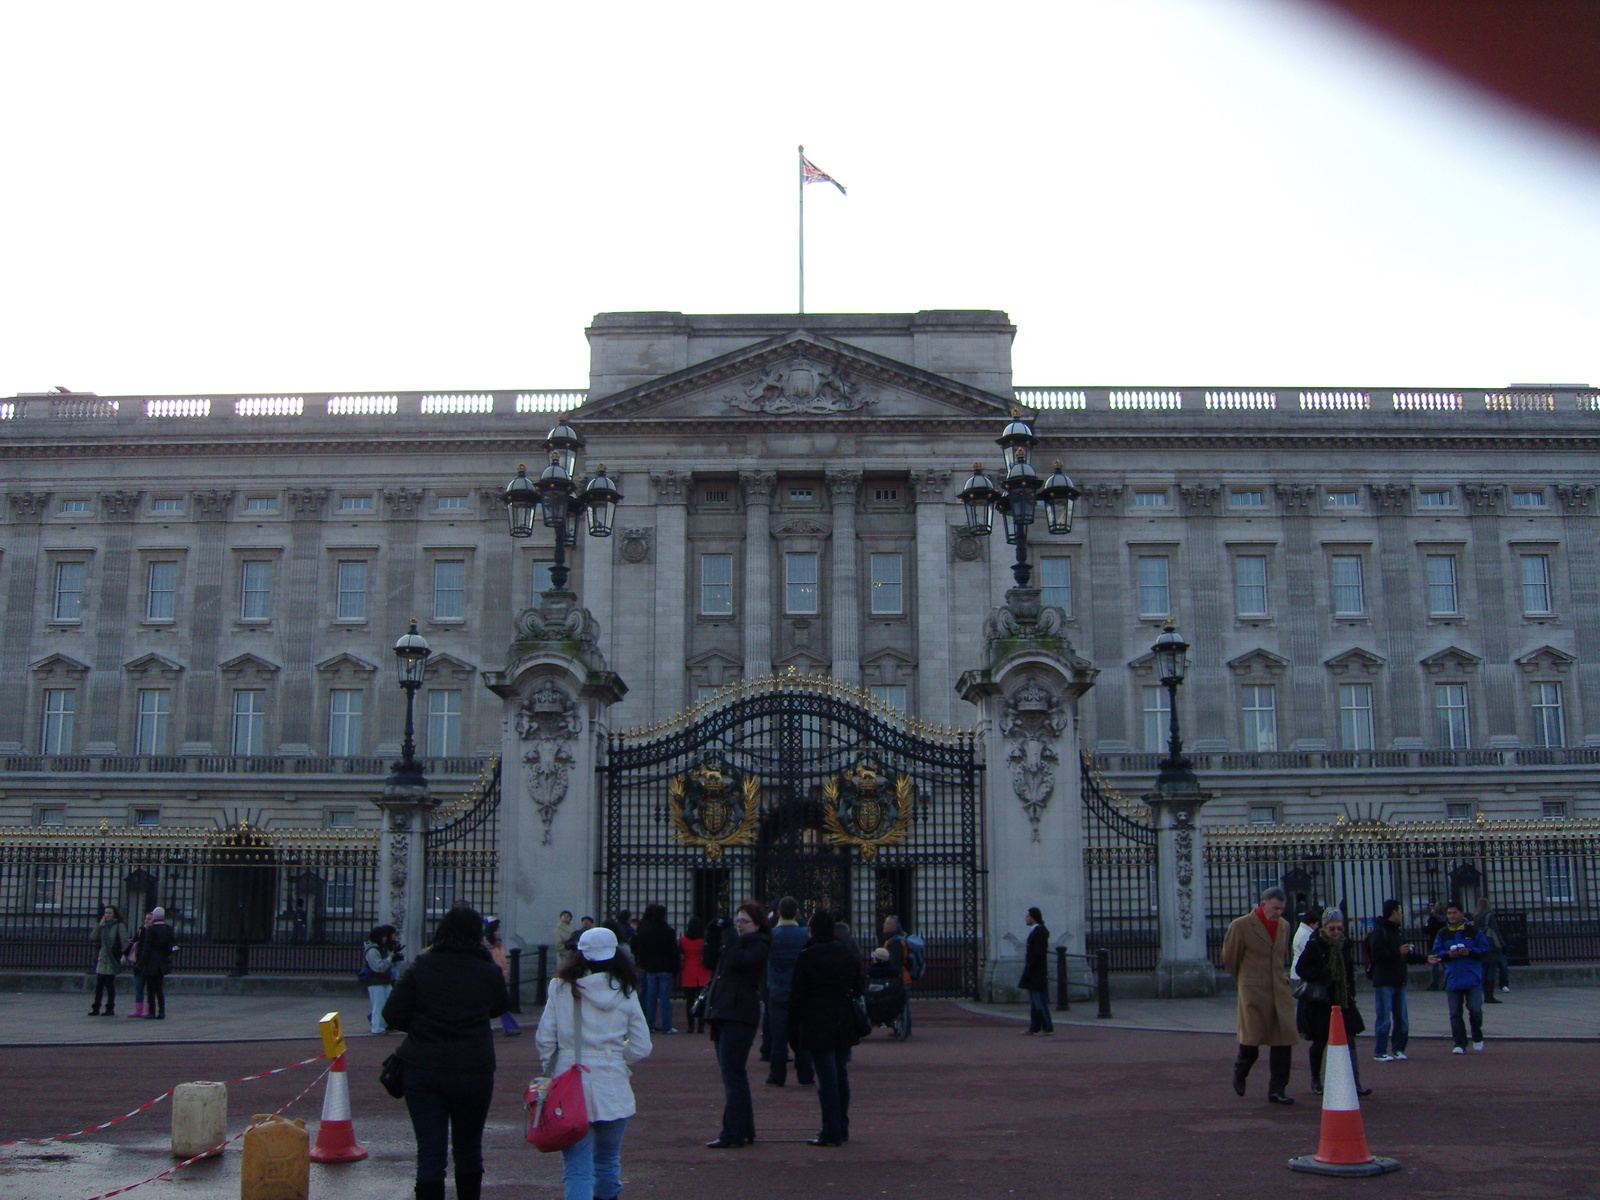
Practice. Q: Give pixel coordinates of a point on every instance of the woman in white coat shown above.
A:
(614, 1034)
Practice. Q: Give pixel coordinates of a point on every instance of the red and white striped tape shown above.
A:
(219, 1147)
(61, 1137)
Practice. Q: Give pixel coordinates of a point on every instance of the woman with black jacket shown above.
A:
(1328, 966)
(822, 1020)
(443, 1005)
(737, 957)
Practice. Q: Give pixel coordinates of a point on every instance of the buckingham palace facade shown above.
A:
(1392, 595)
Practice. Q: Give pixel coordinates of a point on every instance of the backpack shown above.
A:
(916, 956)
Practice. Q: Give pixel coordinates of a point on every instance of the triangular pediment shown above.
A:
(346, 662)
(1546, 658)
(1258, 662)
(1451, 658)
(448, 666)
(805, 662)
(157, 664)
(799, 376)
(60, 665)
(1355, 661)
(247, 664)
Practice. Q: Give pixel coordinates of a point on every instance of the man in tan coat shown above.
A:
(1256, 953)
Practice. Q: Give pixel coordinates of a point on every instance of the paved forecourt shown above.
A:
(965, 1108)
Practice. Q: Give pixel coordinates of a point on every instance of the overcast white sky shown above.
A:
(223, 198)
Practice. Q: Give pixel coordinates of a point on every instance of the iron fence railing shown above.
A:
(1119, 867)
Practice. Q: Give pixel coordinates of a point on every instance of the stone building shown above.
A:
(1392, 595)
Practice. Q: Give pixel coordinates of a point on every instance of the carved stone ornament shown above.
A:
(634, 545)
(1022, 616)
(1199, 498)
(930, 486)
(399, 868)
(558, 618)
(672, 487)
(307, 502)
(29, 505)
(211, 505)
(1482, 499)
(1031, 721)
(493, 499)
(1390, 497)
(965, 546)
(1183, 848)
(1297, 497)
(868, 809)
(119, 504)
(758, 486)
(801, 386)
(1575, 497)
(403, 502)
(803, 527)
(1103, 497)
(548, 724)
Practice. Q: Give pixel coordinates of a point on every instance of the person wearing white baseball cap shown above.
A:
(596, 992)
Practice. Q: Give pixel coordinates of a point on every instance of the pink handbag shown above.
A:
(558, 1116)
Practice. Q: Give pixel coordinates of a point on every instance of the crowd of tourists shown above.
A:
(1291, 977)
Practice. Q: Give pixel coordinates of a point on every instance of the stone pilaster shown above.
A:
(1483, 501)
(111, 620)
(22, 571)
(206, 711)
(1578, 509)
(672, 592)
(1403, 607)
(758, 488)
(935, 680)
(555, 691)
(1303, 720)
(844, 638)
(1026, 692)
(1185, 966)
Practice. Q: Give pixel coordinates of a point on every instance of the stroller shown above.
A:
(887, 997)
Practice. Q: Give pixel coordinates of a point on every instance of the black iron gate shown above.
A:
(1119, 869)
(461, 850)
(807, 788)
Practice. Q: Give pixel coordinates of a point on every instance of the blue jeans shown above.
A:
(448, 1109)
(594, 1166)
(1391, 1005)
(833, 1093)
(733, 1050)
(1039, 1013)
(658, 1000)
(1473, 999)
(778, 1020)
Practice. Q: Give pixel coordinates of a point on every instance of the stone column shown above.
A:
(1399, 578)
(555, 693)
(758, 488)
(1185, 967)
(1027, 694)
(1583, 574)
(401, 867)
(932, 597)
(672, 589)
(206, 712)
(844, 639)
(1495, 619)
(22, 562)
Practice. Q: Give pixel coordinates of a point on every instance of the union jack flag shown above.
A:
(810, 174)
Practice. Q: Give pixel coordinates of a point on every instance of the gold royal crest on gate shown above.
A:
(713, 808)
(867, 809)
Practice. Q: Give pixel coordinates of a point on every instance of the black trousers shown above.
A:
(733, 1050)
(1278, 1063)
(155, 995)
(105, 985)
(448, 1110)
(1319, 1051)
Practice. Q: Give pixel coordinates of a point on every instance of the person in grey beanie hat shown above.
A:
(1328, 966)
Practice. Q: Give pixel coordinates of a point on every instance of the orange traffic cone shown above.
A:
(336, 1139)
(1343, 1148)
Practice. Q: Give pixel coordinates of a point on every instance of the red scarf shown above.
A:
(1272, 926)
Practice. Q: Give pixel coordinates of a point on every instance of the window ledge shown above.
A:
(1351, 619)
(252, 622)
(64, 623)
(154, 623)
(1148, 619)
(1540, 619)
(351, 623)
(447, 622)
(706, 618)
(893, 616)
(1241, 621)
(1446, 619)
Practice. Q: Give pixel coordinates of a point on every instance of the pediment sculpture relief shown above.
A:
(801, 386)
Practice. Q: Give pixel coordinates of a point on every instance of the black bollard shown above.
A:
(543, 992)
(1102, 980)
(1062, 1003)
(514, 956)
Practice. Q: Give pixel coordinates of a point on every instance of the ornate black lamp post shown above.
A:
(411, 656)
(1172, 662)
(559, 500)
(1019, 496)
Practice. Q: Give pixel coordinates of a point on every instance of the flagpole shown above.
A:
(801, 167)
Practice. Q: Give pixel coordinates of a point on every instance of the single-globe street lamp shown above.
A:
(559, 500)
(1172, 663)
(411, 657)
(1019, 496)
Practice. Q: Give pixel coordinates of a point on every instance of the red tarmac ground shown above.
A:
(966, 1108)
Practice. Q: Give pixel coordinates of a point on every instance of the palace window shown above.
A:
(1450, 703)
(1055, 583)
(150, 729)
(352, 598)
(444, 724)
(1355, 716)
(1349, 598)
(450, 590)
(1250, 579)
(255, 591)
(1535, 583)
(1442, 598)
(800, 592)
(161, 591)
(60, 708)
(1157, 719)
(1260, 719)
(1549, 726)
(344, 722)
(249, 722)
(69, 591)
(1153, 599)
(716, 585)
(886, 588)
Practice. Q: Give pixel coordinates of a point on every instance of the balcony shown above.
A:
(1358, 760)
(224, 764)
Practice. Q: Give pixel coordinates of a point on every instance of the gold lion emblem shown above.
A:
(856, 812)
(706, 816)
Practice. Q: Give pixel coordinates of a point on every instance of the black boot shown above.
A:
(469, 1187)
(433, 1190)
